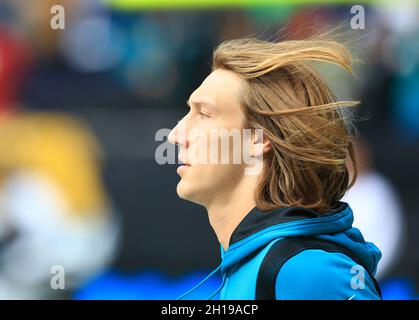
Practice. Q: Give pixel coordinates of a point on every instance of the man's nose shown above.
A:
(178, 134)
(172, 138)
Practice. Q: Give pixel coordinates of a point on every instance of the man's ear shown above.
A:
(260, 144)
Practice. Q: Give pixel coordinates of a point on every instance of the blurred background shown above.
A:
(80, 107)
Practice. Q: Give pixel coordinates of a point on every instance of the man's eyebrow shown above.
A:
(202, 102)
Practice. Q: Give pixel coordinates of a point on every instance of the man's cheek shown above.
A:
(198, 153)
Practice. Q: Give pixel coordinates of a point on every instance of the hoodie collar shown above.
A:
(257, 220)
(259, 228)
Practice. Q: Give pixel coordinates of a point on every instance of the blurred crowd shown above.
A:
(79, 107)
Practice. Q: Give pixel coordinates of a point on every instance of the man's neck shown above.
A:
(224, 216)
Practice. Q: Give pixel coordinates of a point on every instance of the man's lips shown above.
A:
(182, 168)
(182, 162)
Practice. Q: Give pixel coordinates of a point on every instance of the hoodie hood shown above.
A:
(259, 228)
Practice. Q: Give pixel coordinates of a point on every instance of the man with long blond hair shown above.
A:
(284, 232)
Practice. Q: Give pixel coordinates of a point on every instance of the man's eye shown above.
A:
(203, 115)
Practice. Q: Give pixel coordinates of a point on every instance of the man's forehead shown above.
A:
(220, 87)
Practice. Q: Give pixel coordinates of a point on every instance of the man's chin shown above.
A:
(182, 190)
(185, 192)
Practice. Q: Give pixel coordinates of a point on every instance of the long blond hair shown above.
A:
(286, 97)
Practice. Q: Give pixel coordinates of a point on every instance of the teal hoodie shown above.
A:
(310, 274)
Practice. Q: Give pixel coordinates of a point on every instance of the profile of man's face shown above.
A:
(214, 109)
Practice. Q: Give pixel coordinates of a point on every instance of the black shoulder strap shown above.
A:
(285, 249)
